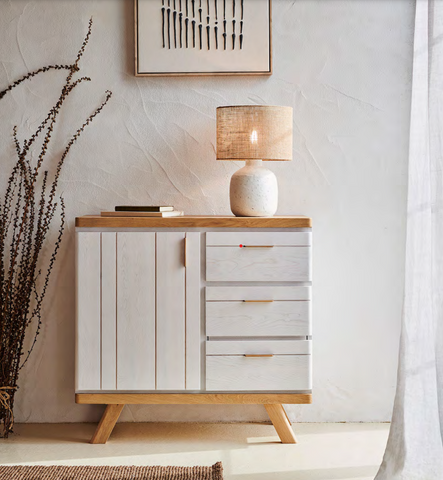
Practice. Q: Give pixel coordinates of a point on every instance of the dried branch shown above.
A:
(27, 212)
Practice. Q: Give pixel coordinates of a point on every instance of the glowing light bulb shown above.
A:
(254, 137)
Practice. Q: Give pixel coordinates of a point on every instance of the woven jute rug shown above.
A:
(36, 472)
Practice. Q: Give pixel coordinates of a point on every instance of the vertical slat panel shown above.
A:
(88, 312)
(193, 322)
(170, 311)
(135, 311)
(109, 311)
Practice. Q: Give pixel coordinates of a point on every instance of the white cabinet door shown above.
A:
(178, 311)
(109, 310)
(135, 311)
(194, 335)
(171, 327)
(138, 311)
(87, 355)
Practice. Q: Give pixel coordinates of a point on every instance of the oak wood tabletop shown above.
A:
(194, 221)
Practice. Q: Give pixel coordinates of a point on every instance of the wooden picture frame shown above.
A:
(162, 50)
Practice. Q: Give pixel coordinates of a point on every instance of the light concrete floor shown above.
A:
(328, 451)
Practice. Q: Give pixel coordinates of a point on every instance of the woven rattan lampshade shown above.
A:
(254, 132)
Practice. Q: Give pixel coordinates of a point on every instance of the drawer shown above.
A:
(266, 264)
(234, 239)
(258, 319)
(258, 347)
(277, 373)
(258, 256)
(257, 293)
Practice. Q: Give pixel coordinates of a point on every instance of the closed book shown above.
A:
(174, 213)
(144, 208)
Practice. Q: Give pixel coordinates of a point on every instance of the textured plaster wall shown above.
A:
(345, 67)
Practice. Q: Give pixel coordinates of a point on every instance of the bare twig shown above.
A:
(27, 211)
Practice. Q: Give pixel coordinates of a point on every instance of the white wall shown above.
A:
(345, 67)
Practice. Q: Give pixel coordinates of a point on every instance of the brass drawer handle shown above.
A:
(256, 246)
(258, 301)
(258, 356)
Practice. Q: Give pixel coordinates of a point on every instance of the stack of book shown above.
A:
(143, 211)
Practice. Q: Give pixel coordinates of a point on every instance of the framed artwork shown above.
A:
(203, 37)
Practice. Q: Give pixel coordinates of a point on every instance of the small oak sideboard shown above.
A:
(193, 310)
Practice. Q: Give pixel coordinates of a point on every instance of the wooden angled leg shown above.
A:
(281, 423)
(107, 423)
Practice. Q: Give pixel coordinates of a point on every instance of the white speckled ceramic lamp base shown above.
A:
(254, 191)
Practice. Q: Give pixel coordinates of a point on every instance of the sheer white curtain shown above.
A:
(415, 449)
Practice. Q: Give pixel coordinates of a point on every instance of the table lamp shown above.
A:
(254, 133)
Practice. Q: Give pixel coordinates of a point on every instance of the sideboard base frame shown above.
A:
(115, 402)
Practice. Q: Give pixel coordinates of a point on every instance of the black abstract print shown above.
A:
(202, 24)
